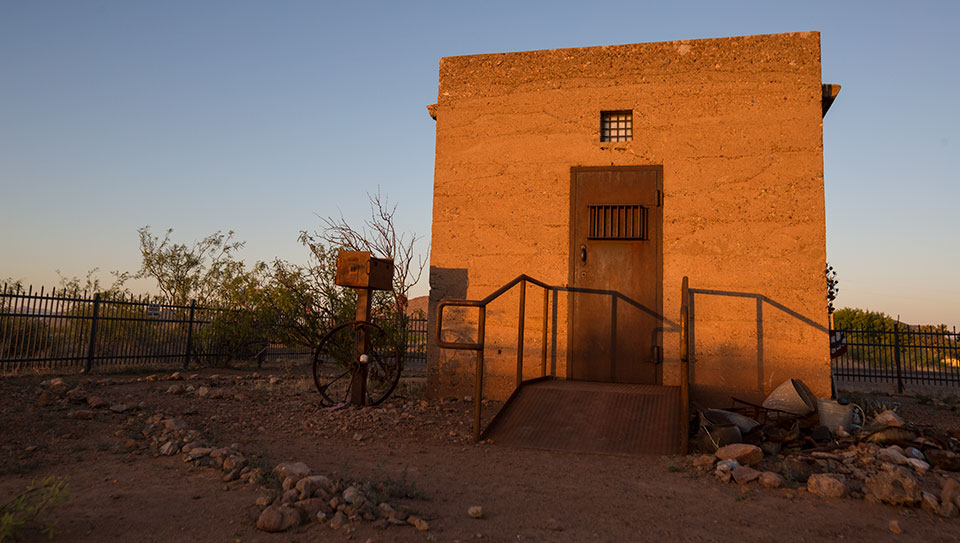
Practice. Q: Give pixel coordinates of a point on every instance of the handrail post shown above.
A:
(543, 341)
(684, 366)
(186, 356)
(478, 391)
(520, 321)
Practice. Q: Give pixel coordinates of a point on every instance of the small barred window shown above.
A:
(616, 125)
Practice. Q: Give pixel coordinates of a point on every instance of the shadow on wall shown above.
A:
(760, 301)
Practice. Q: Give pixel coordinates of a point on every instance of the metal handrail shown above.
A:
(481, 335)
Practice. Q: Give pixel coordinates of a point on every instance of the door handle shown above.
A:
(583, 254)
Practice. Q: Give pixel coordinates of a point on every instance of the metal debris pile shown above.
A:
(823, 446)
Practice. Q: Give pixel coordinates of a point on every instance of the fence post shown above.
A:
(91, 347)
(896, 355)
(186, 358)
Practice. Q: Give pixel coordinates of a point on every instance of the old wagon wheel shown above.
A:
(338, 361)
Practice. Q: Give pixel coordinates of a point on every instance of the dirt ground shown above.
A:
(120, 490)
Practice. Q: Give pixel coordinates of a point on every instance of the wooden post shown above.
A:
(358, 386)
(684, 367)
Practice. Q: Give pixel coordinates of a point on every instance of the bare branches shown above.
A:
(379, 236)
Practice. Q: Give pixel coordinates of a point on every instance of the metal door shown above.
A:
(616, 274)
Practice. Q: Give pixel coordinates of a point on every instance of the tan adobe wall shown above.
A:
(736, 125)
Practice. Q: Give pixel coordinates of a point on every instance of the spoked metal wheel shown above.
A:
(338, 362)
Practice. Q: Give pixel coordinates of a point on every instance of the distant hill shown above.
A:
(417, 304)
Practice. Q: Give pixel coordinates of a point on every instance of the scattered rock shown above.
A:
(888, 418)
(233, 462)
(293, 470)
(338, 520)
(203, 392)
(169, 448)
(81, 414)
(769, 479)
(948, 510)
(920, 466)
(743, 453)
(278, 519)
(929, 502)
(58, 386)
(418, 523)
(96, 402)
(290, 496)
(704, 461)
(744, 474)
(232, 476)
(312, 506)
(175, 389)
(308, 486)
(950, 492)
(174, 424)
(77, 395)
(475, 511)
(894, 487)
(827, 485)
(890, 454)
(46, 398)
(895, 527)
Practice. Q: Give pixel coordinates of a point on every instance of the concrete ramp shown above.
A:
(580, 416)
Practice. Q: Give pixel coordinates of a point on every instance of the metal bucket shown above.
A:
(833, 414)
(792, 396)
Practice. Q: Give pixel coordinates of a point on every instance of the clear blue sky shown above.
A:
(259, 116)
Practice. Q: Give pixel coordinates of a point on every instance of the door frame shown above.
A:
(571, 255)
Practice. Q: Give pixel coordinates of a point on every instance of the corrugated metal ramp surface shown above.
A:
(581, 416)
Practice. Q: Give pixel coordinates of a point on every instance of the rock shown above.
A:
(199, 452)
(175, 389)
(947, 510)
(190, 388)
(892, 455)
(418, 523)
(743, 453)
(920, 466)
(929, 502)
(913, 452)
(888, 418)
(338, 520)
(290, 496)
(312, 506)
(278, 519)
(895, 527)
(96, 402)
(475, 511)
(351, 495)
(232, 476)
(275, 380)
(174, 424)
(727, 465)
(821, 434)
(950, 492)
(308, 486)
(233, 462)
(826, 485)
(798, 470)
(169, 448)
(264, 501)
(704, 461)
(744, 474)
(293, 470)
(894, 487)
(203, 392)
(121, 408)
(769, 479)
(58, 386)
(77, 395)
(81, 414)
(46, 398)
(176, 376)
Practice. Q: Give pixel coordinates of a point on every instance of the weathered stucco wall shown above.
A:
(736, 125)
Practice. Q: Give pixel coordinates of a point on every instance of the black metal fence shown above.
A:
(58, 331)
(903, 355)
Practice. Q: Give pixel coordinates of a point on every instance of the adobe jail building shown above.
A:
(611, 173)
